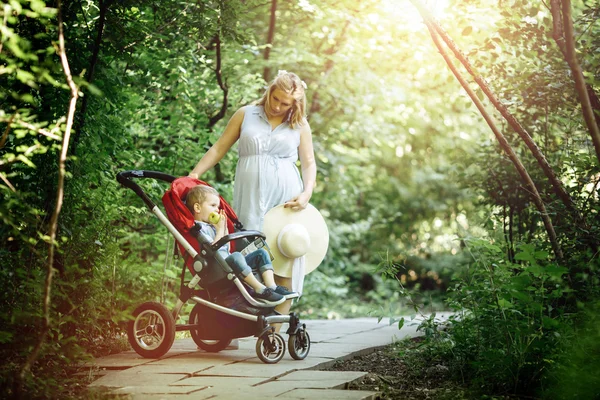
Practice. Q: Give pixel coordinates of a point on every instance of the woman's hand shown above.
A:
(193, 175)
(299, 202)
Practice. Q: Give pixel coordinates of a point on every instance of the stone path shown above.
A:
(187, 372)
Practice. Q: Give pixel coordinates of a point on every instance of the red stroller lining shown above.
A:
(183, 220)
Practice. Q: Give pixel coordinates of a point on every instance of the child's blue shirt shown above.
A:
(210, 232)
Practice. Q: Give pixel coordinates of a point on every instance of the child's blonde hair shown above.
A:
(198, 194)
(294, 86)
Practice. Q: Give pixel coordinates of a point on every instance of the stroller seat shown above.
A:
(215, 274)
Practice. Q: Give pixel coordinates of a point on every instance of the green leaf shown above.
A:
(550, 322)
(535, 270)
(555, 271)
(467, 31)
(503, 303)
(400, 323)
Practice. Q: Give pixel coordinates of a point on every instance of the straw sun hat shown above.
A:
(292, 234)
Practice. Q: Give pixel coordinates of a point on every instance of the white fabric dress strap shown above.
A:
(298, 266)
(298, 274)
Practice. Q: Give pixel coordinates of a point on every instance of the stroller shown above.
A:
(224, 309)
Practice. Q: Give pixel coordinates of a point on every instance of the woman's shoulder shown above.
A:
(250, 109)
(304, 126)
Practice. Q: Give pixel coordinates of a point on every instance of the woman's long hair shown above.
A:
(294, 86)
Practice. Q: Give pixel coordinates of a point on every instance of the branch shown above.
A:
(329, 64)
(21, 157)
(5, 179)
(215, 118)
(580, 86)
(501, 140)
(160, 29)
(59, 200)
(558, 33)
(41, 131)
(5, 134)
(557, 185)
(4, 21)
(104, 5)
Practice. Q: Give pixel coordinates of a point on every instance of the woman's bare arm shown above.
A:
(309, 170)
(218, 150)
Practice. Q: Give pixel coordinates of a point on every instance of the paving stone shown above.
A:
(126, 378)
(285, 386)
(219, 381)
(369, 338)
(180, 368)
(157, 390)
(348, 376)
(186, 372)
(223, 357)
(146, 396)
(121, 360)
(248, 393)
(335, 350)
(252, 368)
(328, 394)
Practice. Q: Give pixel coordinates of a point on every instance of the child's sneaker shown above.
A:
(269, 295)
(282, 290)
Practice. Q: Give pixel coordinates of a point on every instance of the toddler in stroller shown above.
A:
(224, 309)
(203, 202)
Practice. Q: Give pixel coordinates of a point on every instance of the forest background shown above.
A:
(429, 207)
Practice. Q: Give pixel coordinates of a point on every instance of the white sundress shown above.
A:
(266, 173)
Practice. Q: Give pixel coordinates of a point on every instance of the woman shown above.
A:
(272, 135)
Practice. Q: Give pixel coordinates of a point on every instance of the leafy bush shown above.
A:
(508, 322)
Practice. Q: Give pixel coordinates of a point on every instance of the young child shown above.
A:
(202, 201)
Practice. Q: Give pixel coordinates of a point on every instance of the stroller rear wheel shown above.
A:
(152, 332)
(299, 344)
(211, 346)
(270, 348)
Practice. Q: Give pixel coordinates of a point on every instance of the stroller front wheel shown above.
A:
(270, 348)
(299, 345)
(152, 332)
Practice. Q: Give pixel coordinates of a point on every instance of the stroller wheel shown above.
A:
(152, 332)
(270, 348)
(299, 345)
(211, 346)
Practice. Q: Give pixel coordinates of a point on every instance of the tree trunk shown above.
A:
(89, 76)
(564, 37)
(504, 145)
(270, 36)
(557, 185)
(57, 208)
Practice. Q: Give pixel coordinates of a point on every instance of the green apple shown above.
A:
(214, 218)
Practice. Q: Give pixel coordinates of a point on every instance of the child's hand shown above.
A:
(222, 224)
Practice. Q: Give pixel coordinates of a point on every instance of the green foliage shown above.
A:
(574, 373)
(405, 166)
(511, 323)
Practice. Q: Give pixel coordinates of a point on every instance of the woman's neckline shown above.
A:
(281, 120)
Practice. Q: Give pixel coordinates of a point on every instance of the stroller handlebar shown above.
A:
(124, 179)
(235, 236)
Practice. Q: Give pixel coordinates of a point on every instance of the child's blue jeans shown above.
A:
(258, 260)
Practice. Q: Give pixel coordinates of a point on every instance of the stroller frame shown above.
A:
(151, 333)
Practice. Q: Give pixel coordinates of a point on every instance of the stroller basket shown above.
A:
(224, 309)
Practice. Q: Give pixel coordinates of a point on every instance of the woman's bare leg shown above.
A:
(283, 308)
